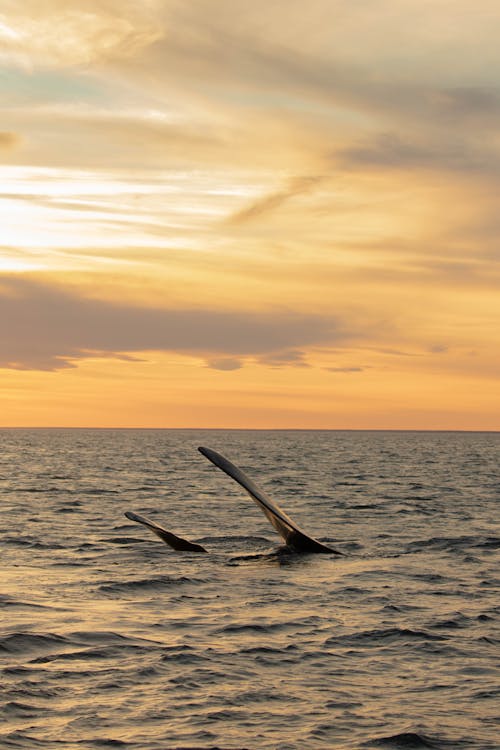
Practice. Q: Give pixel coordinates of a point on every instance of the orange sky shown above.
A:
(231, 214)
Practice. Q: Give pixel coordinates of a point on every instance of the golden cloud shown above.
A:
(50, 328)
(64, 33)
(9, 140)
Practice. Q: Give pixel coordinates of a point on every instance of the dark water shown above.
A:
(110, 639)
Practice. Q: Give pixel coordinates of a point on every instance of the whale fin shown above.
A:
(293, 535)
(181, 545)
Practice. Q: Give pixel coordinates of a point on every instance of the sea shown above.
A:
(111, 639)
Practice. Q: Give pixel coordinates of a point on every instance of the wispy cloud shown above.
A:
(9, 140)
(345, 369)
(269, 203)
(391, 151)
(66, 33)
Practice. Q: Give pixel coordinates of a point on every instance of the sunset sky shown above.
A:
(222, 213)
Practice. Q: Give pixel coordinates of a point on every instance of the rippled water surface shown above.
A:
(111, 639)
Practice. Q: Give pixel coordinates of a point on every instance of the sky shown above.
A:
(273, 214)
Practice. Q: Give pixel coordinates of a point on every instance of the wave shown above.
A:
(99, 491)
(453, 544)
(30, 541)
(185, 658)
(405, 741)
(255, 627)
(416, 740)
(382, 637)
(9, 601)
(28, 642)
(459, 621)
(23, 741)
(489, 694)
(122, 540)
(109, 636)
(30, 689)
(14, 709)
(36, 490)
(114, 652)
(147, 584)
(256, 650)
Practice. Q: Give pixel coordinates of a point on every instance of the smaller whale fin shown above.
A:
(292, 534)
(181, 545)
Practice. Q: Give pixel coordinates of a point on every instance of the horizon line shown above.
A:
(256, 429)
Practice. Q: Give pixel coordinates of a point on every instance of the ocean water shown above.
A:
(108, 638)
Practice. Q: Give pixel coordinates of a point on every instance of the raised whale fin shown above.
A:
(292, 534)
(181, 545)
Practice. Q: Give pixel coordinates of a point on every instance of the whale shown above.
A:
(174, 541)
(295, 538)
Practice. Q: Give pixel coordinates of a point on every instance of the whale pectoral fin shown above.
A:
(292, 534)
(176, 542)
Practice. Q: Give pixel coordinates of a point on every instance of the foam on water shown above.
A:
(108, 638)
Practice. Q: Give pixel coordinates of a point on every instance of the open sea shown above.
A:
(110, 639)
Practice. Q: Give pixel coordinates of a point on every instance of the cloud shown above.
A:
(115, 138)
(9, 140)
(253, 51)
(50, 328)
(479, 104)
(287, 358)
(226, 364)
(345, 369)
(273, 94)
(55, 33)
(269, 203)
(390, 151)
